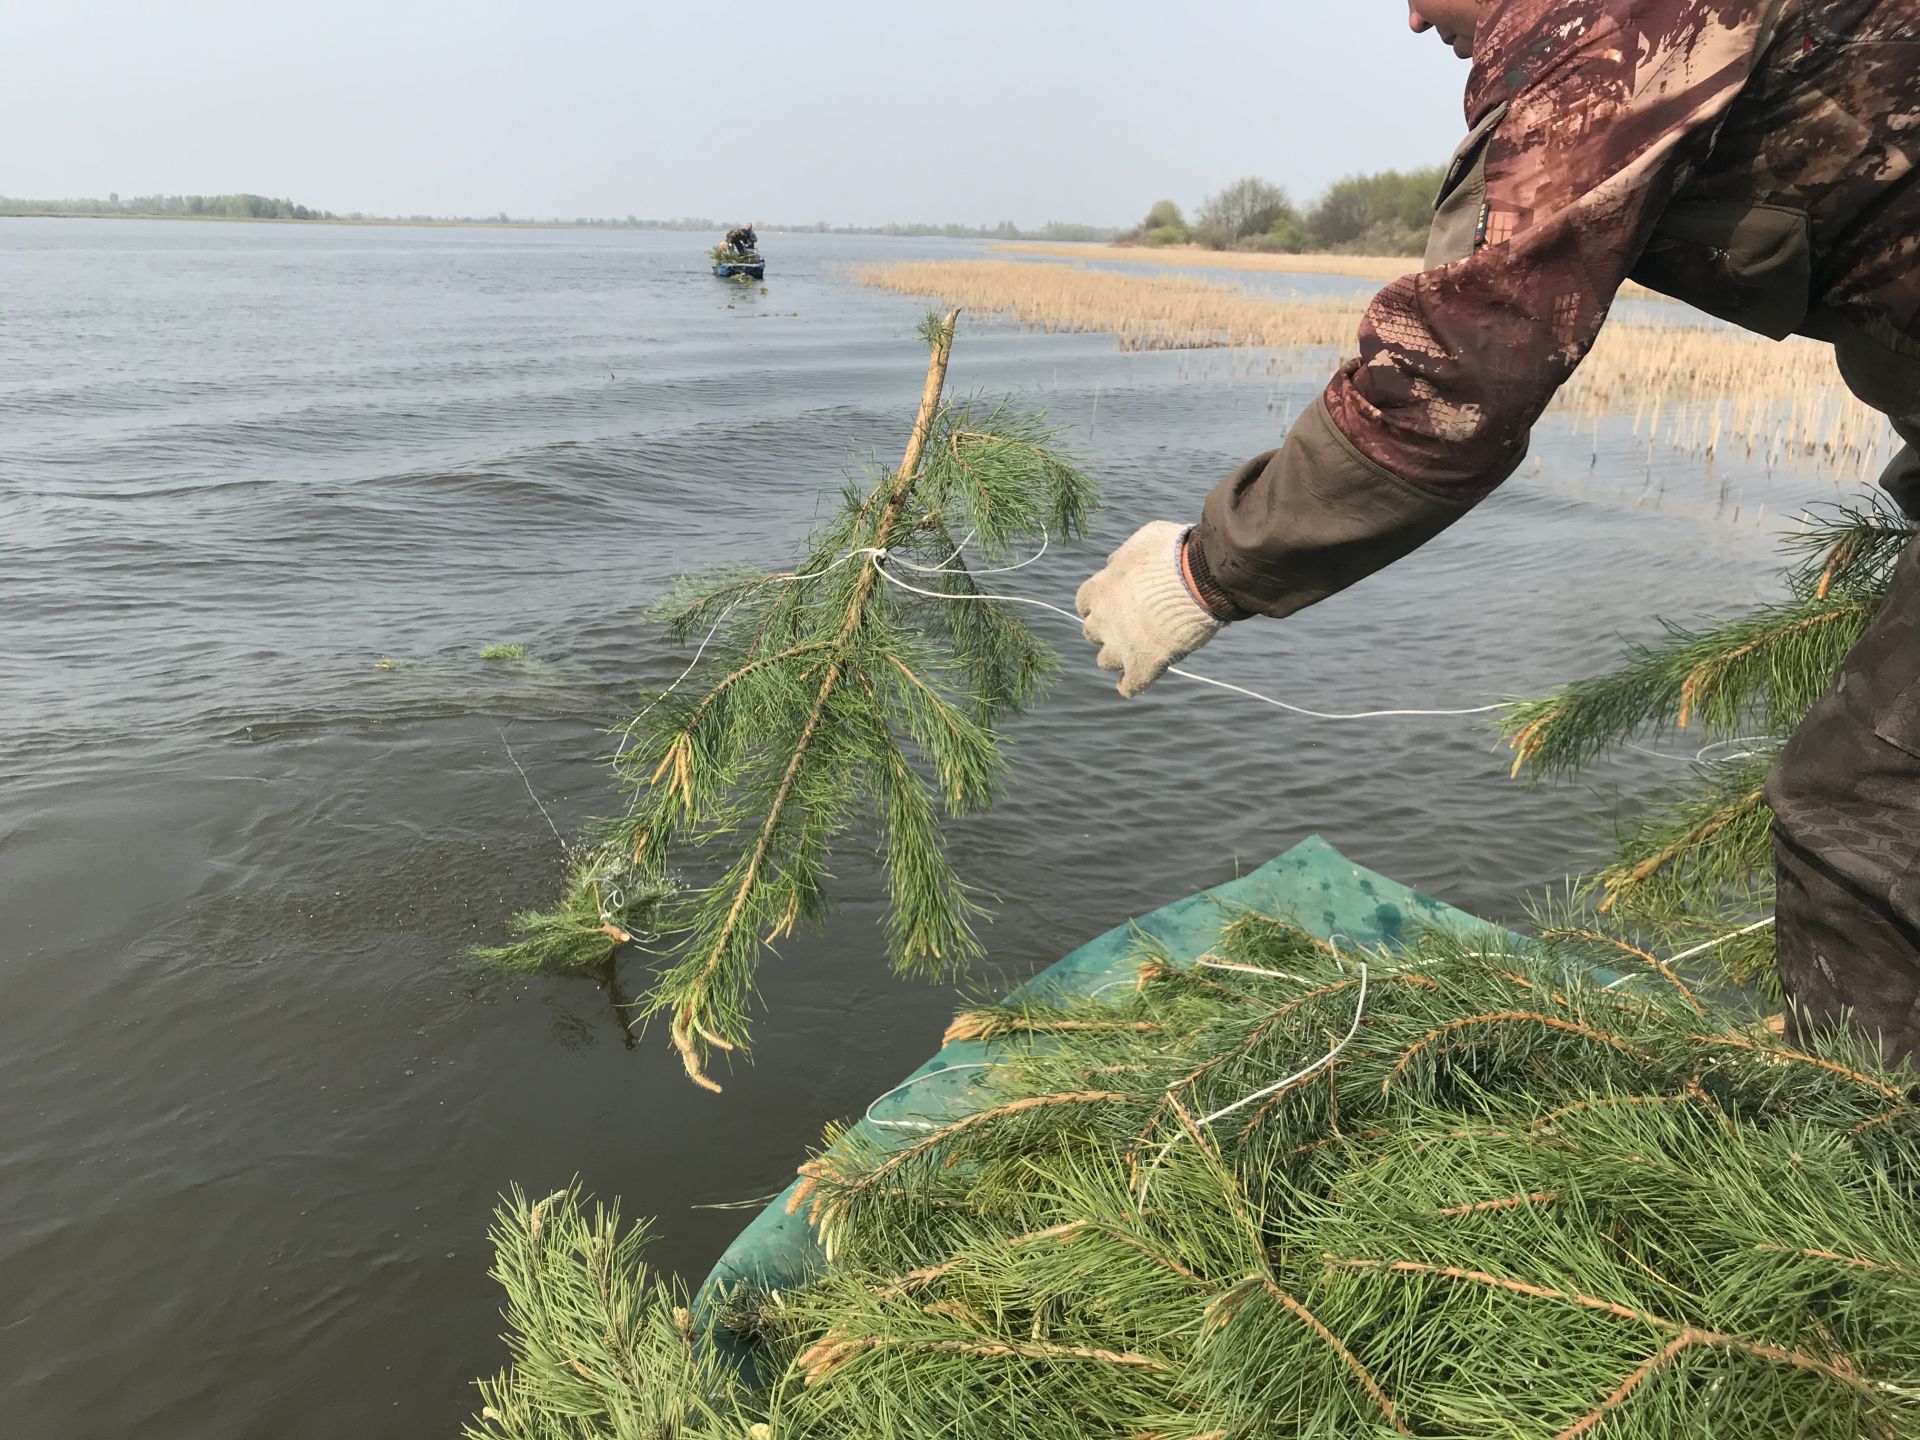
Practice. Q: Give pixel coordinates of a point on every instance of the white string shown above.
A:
(530, 790)
(878, 556)
(1323, 715)
(1207, 962)
(1714, 944)
(956, 551)
(1332, 1055)
(1700, 755)
(626, 731)
(1705, 750)
(893, 579)
(945, 567)
(915, 1080)
(1659, 754)
(1307, 1073)
(1696, 950)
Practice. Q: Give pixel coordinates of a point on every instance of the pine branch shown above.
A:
(822, 699)
(1849, 548)
(1696, 866)
(600, 1348)
(1710, 839)
(1763, 671)
(690, 995)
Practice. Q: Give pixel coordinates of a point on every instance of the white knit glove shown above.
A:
(1139, 610)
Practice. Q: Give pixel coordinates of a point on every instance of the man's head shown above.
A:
(1455, 20)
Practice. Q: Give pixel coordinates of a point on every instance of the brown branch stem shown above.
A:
(1333, 1341)
(692, 1055)
(1508, 1017)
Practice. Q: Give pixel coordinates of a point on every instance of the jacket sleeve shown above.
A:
(1608, 104)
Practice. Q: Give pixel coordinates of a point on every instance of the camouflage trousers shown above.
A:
(1846, 830)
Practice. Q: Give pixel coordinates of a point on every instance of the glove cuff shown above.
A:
(1198, 577)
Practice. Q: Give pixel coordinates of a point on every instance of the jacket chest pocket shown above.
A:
(1748, 264)
(1460, 210)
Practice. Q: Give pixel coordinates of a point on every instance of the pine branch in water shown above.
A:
(824, 699)
(607, 903)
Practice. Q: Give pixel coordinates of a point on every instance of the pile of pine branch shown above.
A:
(821, 698)
(1696, 862)
(1511, 1204)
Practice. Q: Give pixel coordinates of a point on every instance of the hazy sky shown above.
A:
(842, 110)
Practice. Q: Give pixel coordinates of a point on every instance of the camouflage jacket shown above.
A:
(1754, 157)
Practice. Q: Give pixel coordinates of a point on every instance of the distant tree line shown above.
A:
(222, 207)
(1381, 214)
(261, 207)
(1005, 230)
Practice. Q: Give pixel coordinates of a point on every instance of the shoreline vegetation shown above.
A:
(262, 209)
(1385, 213)
(1380, 268)
(1703, 389)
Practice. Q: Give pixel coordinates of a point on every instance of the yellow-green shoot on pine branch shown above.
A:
(825, 700)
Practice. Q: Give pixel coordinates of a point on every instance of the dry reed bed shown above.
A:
(1705, 391)
(1361, 267)
(1145, 312)
(1379, 268)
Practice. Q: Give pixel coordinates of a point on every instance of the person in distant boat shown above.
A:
(743, 239)
(1756, 158)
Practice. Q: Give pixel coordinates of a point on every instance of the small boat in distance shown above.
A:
(738, 256)
(730, 264)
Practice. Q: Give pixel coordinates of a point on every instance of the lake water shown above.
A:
(257, 1105)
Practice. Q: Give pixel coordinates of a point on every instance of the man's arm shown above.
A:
(1609, 102)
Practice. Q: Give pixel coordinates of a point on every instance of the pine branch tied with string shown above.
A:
(1697, 860)
(822, 698)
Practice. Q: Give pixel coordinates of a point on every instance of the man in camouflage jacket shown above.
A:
(1756, 158)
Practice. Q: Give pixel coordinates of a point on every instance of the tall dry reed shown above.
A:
(1704, 390)
(1145, 312)
(1361, 267)
(1377, 268)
